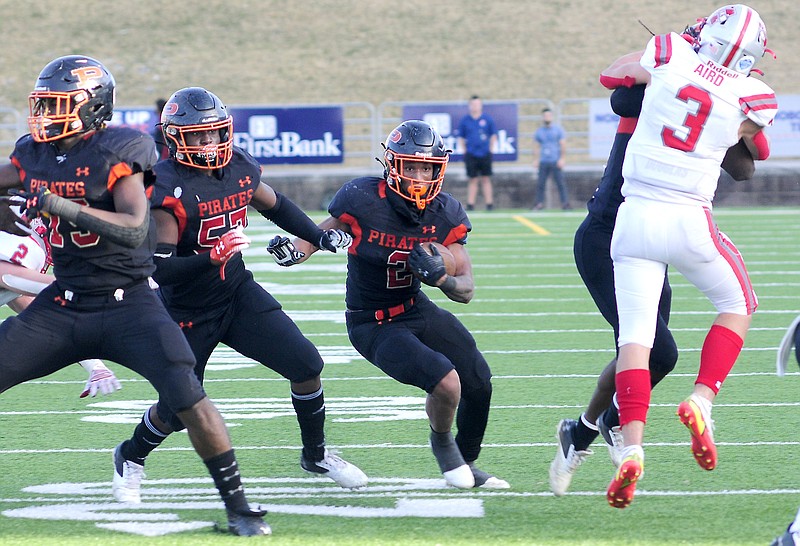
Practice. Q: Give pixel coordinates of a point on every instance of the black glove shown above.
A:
(283, 251)
(35, 202)
(428, 267)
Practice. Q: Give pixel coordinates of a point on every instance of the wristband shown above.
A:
(762, 145)
(611, 82)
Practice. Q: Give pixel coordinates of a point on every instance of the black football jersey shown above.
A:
(85, 262)
(377, 263)
(205, 208)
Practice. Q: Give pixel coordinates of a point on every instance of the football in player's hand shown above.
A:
(447, 256)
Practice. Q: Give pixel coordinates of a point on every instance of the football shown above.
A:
(447, 256)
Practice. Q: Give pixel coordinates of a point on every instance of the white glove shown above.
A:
(100, 379)
(339, 239)
(283, 251)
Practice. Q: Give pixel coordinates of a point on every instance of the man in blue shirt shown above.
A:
(552, 144)
(477, 135)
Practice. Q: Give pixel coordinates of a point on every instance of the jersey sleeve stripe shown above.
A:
(120, 170)
(766, 101)
(663, 49)
(355, 231)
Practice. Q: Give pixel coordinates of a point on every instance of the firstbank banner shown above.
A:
(784, 133)
(307, 135)
(445, 118)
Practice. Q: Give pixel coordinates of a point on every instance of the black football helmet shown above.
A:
(194, 109)
(415, 141)
(73, 95)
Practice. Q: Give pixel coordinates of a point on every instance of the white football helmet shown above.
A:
(734, 36)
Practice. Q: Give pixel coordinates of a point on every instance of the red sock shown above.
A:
(720, 351)
(633, 395)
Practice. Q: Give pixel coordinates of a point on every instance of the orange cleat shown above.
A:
(623, 487)
(694, 416)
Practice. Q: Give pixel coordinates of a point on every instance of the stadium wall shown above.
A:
(773, 185)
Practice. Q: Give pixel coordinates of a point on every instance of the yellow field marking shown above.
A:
(536, 228)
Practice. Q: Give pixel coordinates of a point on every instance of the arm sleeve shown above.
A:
(171, 269)
(288, 216)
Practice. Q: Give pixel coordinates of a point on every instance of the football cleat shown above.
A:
(456, 472)
(484, 480)
(126, 485)
(623, 487)
(248, 524)
(787, 539)
(332, 466)
(567, 459)
(695, 414)
(786, 346)
(614, 441)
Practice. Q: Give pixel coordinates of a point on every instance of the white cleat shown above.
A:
(460, 477)
(484, 480)
(332, 466)
(567, 459)
(127, 481)
(614, 441)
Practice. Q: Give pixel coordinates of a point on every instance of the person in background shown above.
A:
(552, 144)
(477, 136)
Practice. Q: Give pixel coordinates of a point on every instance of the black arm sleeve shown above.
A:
(288, 216)
(171, 269)
(131, 237)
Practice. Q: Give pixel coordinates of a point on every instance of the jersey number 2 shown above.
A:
(693, 122)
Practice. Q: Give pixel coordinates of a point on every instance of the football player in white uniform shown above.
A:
(24, 261)
(700, 100)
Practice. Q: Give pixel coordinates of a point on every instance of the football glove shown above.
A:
(428, 267)
(230, 244)
(101, 379)
(331, 239)
(284, 252)
(32, 204)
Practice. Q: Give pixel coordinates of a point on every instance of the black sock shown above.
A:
(584, 434)
(224, 471)
(146, 437)
(310, 410)
(610, 417)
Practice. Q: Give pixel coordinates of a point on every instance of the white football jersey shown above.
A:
(29, 251)
(691, 115)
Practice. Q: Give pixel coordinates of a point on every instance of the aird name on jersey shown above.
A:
(289, 144)
(714, 73)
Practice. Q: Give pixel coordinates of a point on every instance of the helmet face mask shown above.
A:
(734, 36)
(195, 110)
(410, 144)
(73, 95)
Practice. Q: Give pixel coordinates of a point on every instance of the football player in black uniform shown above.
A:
(390, 321)
(90, 180)
(592, 249)
(199, 207)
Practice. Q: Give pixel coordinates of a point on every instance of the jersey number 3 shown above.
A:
(693, 122)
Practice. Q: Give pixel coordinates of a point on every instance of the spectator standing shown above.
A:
(477, 136)
(552, 143)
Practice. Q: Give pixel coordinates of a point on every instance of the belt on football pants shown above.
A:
(388, 314)
(118, 294)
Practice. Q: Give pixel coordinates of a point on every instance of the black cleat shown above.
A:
(248, 524)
